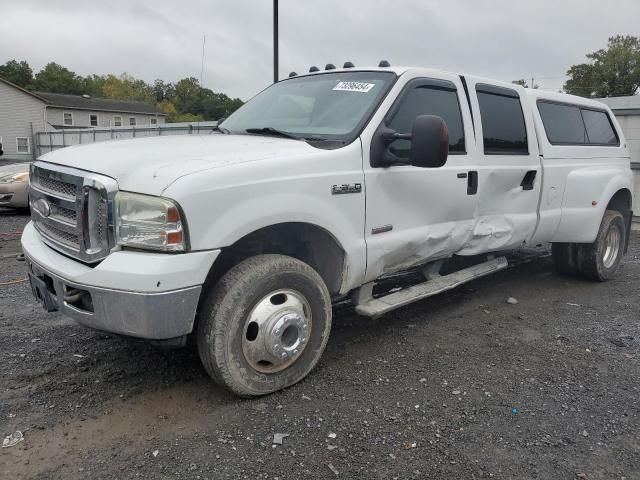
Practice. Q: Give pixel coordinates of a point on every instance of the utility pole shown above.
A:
(275, 41)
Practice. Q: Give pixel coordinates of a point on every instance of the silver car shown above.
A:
(14, 185)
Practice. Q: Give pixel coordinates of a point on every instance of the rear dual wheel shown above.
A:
(598, 260)
(264, 325)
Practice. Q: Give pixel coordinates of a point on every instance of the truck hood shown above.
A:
(150, 165)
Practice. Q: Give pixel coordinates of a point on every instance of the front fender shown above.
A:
(586, 196)
(225, 205)
(252, 214)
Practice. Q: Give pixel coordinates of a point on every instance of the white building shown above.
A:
(23, 113)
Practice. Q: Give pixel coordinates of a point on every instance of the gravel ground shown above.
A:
(464, 385)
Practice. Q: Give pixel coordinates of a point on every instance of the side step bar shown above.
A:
(381, 305)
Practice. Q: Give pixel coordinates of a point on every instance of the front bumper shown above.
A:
(139, 294)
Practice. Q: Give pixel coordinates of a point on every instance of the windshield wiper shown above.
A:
(273, 132)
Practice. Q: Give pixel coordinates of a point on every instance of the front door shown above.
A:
(414, 215)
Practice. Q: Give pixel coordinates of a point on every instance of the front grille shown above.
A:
(70, 239)
(51, 185)
(65, 214)
(71, 209)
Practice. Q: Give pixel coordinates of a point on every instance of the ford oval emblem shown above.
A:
(42, 207)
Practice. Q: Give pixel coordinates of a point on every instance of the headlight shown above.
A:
(144, 221)
(15, 178)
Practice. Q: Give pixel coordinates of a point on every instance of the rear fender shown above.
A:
(586, 196)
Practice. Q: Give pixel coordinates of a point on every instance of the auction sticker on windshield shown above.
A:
(354, 87)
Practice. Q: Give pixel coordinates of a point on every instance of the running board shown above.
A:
(381, 305)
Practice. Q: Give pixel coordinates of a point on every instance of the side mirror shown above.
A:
(429, 142)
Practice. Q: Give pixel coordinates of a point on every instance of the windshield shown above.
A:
(322, 107)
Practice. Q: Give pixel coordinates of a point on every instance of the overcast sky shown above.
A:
(503, 39)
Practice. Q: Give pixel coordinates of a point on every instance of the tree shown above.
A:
(184, 101)
(16, 72)
(611, 72)
(55, 78)
(162, 90)
(187, 96)
(125, 87)
(93, 85)
(166, 106)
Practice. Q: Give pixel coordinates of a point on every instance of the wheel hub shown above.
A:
(611, 247)
(277, 331)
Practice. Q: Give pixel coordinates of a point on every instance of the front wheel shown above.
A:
(600, 260)
(264, 325)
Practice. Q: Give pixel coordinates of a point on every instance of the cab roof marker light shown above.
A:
(384, 63)
(329, 66)
(292, 74)
(314, 69)
(348, 65)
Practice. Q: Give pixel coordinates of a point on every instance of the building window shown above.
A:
(67, 119)
(22, 145)
(154, 121)
(117, 121)
(132, 121)
(93, 120)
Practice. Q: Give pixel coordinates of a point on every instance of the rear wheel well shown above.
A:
(306, 242)
(621, 202)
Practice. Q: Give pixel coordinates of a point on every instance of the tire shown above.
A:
(270, 306)
(600, 260)
(565, 258)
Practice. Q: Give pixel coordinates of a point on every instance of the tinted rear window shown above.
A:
(563, 123)
(599, 129)
(567, 124)
(503, 124)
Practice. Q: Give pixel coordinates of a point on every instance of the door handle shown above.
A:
(472, 182)
(528, 180)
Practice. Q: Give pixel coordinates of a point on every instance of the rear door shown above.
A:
(509, 169)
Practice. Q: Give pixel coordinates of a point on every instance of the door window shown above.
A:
(503, 126)
(427, 99)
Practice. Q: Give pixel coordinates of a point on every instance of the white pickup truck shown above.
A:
(317, 188)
